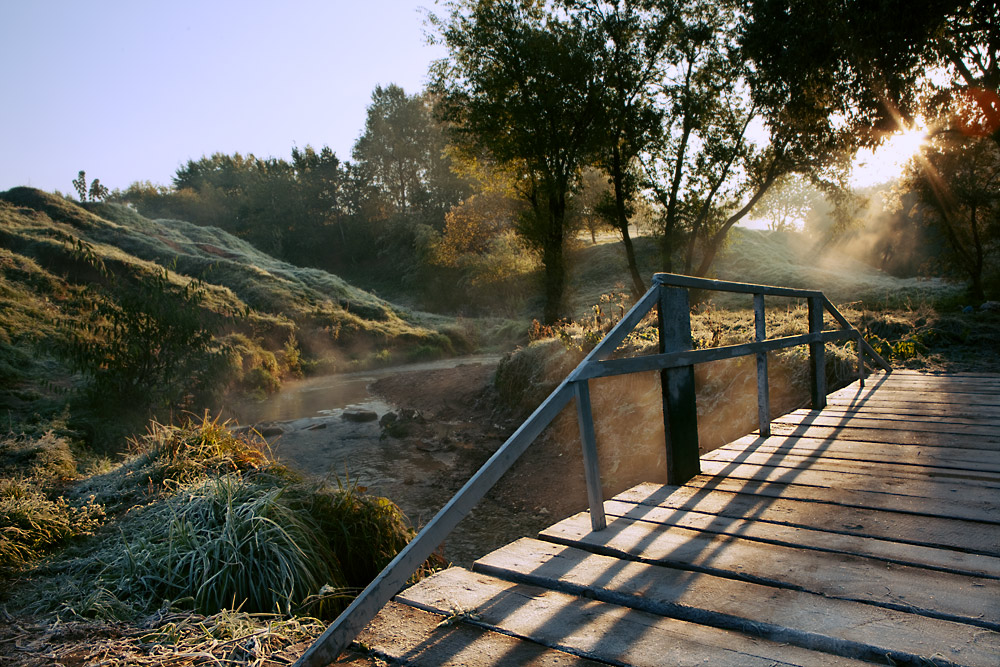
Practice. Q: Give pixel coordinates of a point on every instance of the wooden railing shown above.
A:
(675, 361)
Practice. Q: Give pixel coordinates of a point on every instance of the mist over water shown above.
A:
(319, 396)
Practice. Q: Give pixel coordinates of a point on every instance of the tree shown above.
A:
(324, 208)
(633, 39)
(791, 200)
(957, 183)
(593, 206)
(80, 185)
(707, 173)
(393, 145)
(96, 192)
(859, 66)
(520, 82)
(402, 153)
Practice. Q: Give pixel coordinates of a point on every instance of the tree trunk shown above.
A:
(979, 256)
(552, 258)
(713, 244)
(621, 221)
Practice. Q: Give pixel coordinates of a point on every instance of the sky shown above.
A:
(130, 90)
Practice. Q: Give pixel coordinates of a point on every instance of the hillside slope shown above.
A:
(55, 255)
(787, 259)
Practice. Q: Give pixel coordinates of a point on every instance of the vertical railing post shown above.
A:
(861, 359)
(680, 410)
(592, 471)
(763, 391)
(817, 354)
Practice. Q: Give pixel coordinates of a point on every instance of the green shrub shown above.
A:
(148, 342)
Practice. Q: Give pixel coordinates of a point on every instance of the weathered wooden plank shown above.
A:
(761, 530)
(770, 484)
(883, 472)
(945, 595)
(949, 389)
(960, 410)
(920, 414)
(893, 394)
(944, 380)
(965, 493)
(925, 455)
(408, 636)
(877, 402)
(903, 375)
(797, 617)
(889, 435)
(867, 420)
(906, 529)
(925, 373)
(599, 630)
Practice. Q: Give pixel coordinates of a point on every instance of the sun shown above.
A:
(885, 163)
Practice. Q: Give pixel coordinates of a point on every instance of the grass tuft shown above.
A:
(202, 519)
(193, 450)
(228, 543)
(32, 524)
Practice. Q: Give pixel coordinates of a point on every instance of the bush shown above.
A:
(364, 532)
(146, 341)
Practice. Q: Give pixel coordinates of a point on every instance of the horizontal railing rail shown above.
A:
(675, 362)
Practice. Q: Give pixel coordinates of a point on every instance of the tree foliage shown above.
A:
(789, 203)
(520, 82)
(709, 170)
(402, 154)
(96, 192)
(633, 40)
(956, 181)
(859, 67)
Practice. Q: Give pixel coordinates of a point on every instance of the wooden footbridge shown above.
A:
(864, 530)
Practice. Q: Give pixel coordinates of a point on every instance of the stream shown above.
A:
(328, 427)
(329, 395)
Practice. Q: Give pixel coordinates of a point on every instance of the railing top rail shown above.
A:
(691, 282)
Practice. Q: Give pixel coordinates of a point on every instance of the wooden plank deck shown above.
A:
(868, 532)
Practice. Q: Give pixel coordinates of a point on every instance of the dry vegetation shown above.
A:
(628, 409)
(187, 525)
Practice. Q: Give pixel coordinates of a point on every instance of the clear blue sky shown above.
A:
(129, 90)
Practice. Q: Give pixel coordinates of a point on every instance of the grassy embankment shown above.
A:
(106, 319)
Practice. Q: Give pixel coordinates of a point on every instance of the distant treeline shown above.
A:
(684, 117)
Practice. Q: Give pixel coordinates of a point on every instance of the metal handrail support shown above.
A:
(675, 362)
